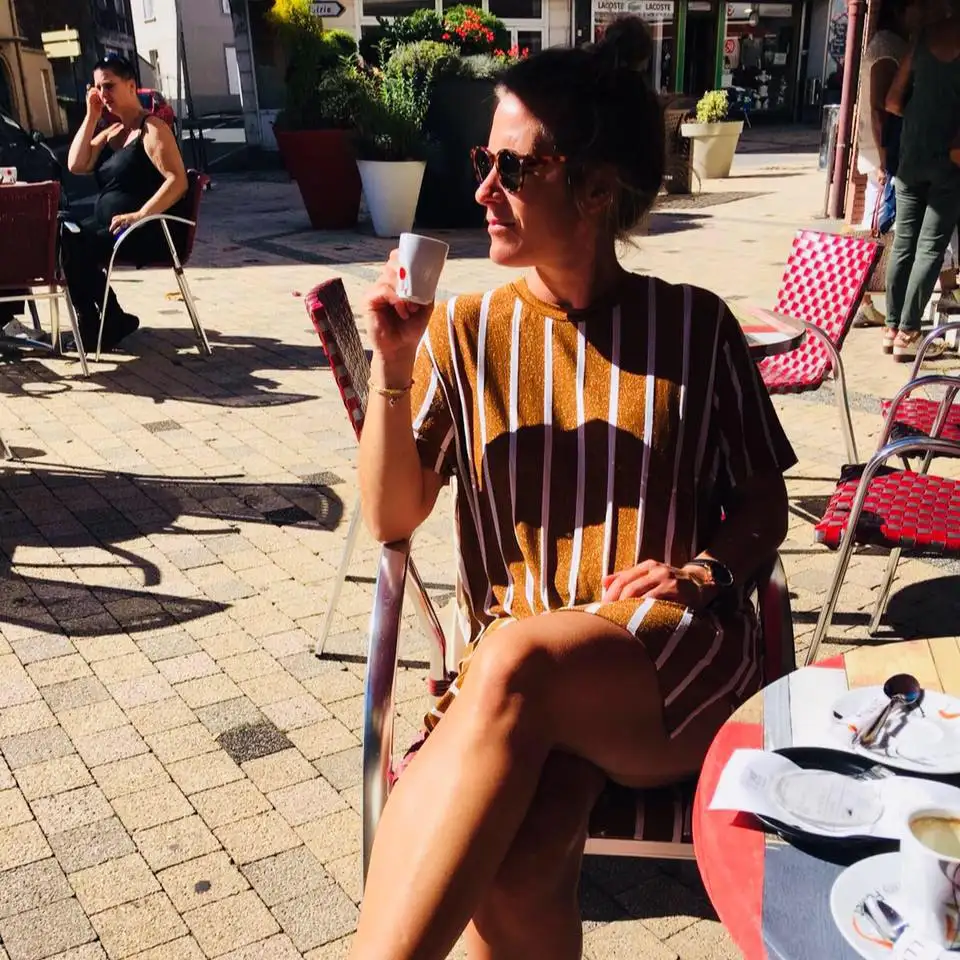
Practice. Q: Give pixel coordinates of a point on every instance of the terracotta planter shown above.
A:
(714, 145)
(323, 165)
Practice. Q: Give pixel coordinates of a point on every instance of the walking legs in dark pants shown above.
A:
(926, 215)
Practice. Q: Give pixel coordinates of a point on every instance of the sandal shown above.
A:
(889, 335)
(869, 316)
(906, 344)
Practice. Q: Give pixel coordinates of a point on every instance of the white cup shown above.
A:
(8, 174)
(420, 261)
(930, 874)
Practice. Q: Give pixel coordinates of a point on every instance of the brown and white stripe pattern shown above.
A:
(585, 443)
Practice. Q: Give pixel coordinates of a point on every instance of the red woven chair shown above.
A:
(901, 510)
(28, 211)
(195, 184)
(922, 416)
(822, 285)
(332, 318)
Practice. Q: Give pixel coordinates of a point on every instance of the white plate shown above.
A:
(927, 741)
(880, 874)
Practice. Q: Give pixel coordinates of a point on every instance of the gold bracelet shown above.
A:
(392, 394)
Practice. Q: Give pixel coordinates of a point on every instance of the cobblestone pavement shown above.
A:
(179, 775)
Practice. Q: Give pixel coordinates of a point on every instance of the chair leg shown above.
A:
(55, 321)
(833, 594)
(5, 452)
(75, 327)
(843, 402)
(106, 297)
(881, 603)
(352, 532)
(32, 307)
(185, 292)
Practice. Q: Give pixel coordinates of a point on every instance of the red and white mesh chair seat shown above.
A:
(822, 285)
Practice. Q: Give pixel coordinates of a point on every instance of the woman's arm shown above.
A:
(882, 75)
(896, 98)
(397, 492)
(87, 144)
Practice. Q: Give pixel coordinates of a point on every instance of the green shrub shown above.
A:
(419, 25)
(474, 31)
(390, 117)
(425, 58)
(713, 107)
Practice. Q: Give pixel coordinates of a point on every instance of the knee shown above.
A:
(508, 674)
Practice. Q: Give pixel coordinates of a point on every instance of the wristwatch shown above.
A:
(719, 572)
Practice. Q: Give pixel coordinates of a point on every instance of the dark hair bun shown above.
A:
(627, 44)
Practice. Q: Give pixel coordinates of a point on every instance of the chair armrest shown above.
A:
(154, 217)
(933, 380)
(816, 332)
(379, 686)
(776, 620)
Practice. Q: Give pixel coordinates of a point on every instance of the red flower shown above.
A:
(446, 36)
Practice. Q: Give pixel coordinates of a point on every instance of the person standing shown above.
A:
(878, 135)
(926, 93)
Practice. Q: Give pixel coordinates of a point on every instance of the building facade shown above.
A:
(104, 27)
(787, 54)
(209, 49)
(27, 90)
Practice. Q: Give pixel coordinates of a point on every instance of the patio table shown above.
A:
(773, 898)
(768, 332)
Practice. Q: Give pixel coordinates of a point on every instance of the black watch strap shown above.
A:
(720, 572)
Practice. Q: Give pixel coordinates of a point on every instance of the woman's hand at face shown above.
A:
(687, 586)
(396, 325)
(94, 103)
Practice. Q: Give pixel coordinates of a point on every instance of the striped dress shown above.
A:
(586, 442)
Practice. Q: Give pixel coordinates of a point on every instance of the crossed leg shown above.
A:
(456, 826)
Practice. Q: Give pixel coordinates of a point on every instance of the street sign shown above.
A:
(65, 48)
(327, 8)
(58, 36)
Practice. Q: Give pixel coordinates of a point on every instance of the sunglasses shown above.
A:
(511, 167)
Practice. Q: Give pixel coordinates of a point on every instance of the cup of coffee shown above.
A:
(420, 261)
(930, 871)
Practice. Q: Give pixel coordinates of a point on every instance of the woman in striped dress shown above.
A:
(601, 425)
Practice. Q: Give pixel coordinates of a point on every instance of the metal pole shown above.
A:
(851, 73)
(679, 44)
(178, 18)
(721, 40)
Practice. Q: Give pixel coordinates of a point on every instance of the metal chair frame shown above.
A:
(929, 447)
(394, 582)
(165, 219)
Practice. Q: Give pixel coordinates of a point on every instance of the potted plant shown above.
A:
(315, 128)
(714, 137)
(392, 148)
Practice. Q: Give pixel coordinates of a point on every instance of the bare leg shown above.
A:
(569, 682)
(531, 910)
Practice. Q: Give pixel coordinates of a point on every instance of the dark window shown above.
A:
(517, 9)
(531, 40)
(394, 8)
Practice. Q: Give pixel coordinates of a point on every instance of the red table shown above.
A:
(768, 332)
(772, 897)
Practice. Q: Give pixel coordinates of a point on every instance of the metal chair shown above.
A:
(28, 212)
(822, 285)
(876, 505)
(648, 823)
(195, 185)
(333, 319)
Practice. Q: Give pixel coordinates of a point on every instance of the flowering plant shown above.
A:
(474, 31)
(512, 55)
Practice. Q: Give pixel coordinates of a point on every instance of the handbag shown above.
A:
(877, 281)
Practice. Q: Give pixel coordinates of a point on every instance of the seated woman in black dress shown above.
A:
(139, 170)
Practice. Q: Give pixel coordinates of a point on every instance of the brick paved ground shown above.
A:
(167, 546)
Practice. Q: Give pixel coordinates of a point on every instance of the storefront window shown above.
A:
(393, 8)
(758, 53)
(516, 9)
(659, 16)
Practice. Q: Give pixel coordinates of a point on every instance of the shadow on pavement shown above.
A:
(69, 509)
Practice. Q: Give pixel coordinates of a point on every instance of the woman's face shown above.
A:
(115, 91)
(539, 224)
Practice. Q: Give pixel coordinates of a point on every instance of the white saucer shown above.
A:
(928, 741)
(880, 874)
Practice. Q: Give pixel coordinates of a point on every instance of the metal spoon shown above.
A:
(904, 690)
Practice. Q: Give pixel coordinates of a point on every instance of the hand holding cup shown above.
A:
(396, 325)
